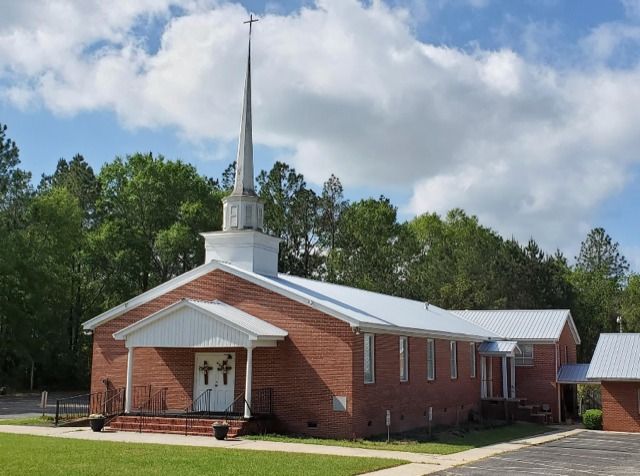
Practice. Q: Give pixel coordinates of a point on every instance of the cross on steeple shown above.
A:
(251, 21)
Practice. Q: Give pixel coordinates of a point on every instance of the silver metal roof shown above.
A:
(617, 357)
(242, 319)
(375, 310)
(360, 308)
(573, 373)
(520, 324)
(500, 347)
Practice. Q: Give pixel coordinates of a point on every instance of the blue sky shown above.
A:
(535, 150)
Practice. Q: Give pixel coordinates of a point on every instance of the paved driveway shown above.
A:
(587, 453)
(28, 404)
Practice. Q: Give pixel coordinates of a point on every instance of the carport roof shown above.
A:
(498, 348)
(573, 373)
(617, 357)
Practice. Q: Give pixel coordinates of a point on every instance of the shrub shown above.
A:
(592, 419)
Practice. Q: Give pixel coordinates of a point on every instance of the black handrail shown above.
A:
(261, 404)
(114, 404)
(198, 407)
(233, 408)
(156, 405)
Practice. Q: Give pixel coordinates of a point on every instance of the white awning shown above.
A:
(499, 348)
(200, 324)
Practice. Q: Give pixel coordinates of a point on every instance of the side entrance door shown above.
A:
(215, 371)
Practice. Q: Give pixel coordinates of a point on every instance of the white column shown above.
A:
(490, 377)
(128, 396)
(483, 377)
(505, 389)
(513, 377)
(248, 381)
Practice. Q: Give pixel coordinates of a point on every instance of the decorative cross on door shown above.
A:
(224, 367)
(205, 369)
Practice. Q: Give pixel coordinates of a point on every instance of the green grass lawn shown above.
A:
(446, 442)
(29, 455)
(34, 421)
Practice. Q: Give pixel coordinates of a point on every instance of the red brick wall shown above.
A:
(620, 406)
(451, 399)
(537, 383)
(305, 371)
(320, 358)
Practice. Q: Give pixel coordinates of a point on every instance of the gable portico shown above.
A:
(192, 324)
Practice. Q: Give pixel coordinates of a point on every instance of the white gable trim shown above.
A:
(271, 286)
(573, 329)
(195, 327)
(149, 295)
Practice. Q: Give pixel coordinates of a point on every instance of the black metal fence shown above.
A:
(109, 403)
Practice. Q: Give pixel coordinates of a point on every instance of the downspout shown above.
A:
(557, 384)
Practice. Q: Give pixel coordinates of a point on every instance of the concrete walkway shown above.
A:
(420, 463)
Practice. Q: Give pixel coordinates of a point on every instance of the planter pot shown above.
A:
(97, 424)
(220, 431)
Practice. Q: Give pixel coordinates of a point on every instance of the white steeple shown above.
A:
(244, 164)
(241, 241)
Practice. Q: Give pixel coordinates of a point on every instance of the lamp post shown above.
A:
(619, 321)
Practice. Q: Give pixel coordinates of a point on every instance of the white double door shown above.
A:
(210, 374)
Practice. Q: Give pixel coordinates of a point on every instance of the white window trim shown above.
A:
(431, 376)
(404, 358)
(372, 350)
(472, 359)
(522, 361)
(453, 359)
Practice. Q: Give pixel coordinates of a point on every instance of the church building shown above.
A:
(235, 339)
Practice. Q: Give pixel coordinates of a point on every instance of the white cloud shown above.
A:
(531, 149)
(632, 8)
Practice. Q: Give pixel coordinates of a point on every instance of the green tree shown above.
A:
(228, 177)
(292, 214)
(332, 204)
(459, 264)
(599, 278)
(535, 279)
(600, 254)
(78, 178)
(54, 240)
(630, 305)
(15, 196)
(151, 212)
(369, 247)
(15, 189)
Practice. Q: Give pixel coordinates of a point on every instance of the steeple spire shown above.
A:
(241, 241)
(244, 163)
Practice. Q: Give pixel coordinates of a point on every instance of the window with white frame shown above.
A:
(431, 359)
(369, 359)
(525, 357)
(453, 347)
(472, 358)
(404, 359)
